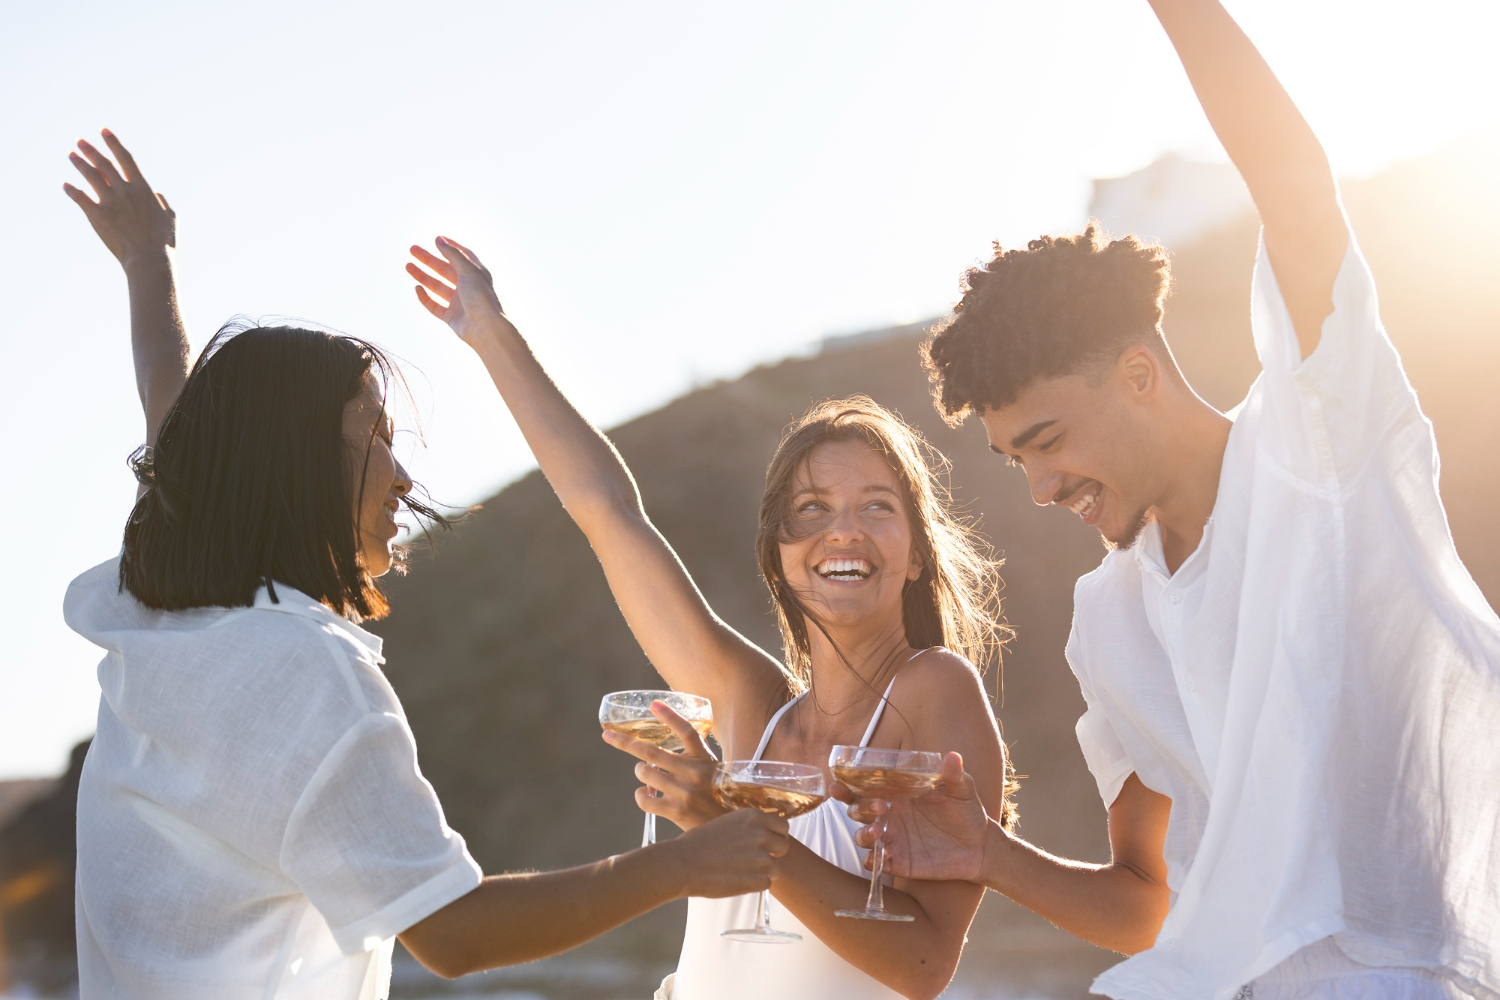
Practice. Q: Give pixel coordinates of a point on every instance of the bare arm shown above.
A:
(510, 919)
(140, 229)
(686, 642)
(1275, 151)
(1119, 906)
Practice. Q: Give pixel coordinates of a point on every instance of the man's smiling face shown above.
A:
(1082, 445)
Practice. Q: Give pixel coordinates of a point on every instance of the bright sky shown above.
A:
(666, 193)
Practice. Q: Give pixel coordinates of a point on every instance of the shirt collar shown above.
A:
(1153, 559)
(292, 601)
(1148, 550)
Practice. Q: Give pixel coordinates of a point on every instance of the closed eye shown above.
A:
(1048, 445)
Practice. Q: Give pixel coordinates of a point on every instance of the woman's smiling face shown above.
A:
(850, 553)
(367, 437)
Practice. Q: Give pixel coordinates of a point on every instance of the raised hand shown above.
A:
(457, 289)
(135, 223)
(939, 836)
(684, 781)
(732, 855)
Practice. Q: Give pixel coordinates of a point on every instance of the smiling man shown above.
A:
(1291, 679)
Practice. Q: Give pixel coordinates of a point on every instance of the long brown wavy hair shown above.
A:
(954, 603)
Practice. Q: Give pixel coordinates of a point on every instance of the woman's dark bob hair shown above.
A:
(251, 482)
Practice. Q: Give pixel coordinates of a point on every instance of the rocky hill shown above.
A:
(504, 635)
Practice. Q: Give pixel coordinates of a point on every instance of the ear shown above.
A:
(915, 565)
(1140, 370)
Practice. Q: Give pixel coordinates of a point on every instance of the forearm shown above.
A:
(158, 338)
(1113, 906)
(915, 959)
(583, 467)
(1271, 144)
(510, 919)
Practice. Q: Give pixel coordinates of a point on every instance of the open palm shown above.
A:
(457, 289)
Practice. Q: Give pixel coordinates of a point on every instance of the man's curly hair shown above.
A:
(1064, 305)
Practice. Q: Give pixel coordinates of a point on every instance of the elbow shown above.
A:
(929, 978)
(598, 510)
(446, 965)
(441, 956)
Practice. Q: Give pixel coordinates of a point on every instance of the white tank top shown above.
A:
(714, 968)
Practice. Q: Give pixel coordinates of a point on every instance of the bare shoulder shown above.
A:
(941, 679)
(940, 704)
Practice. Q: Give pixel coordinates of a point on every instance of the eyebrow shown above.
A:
(872, 488)
(1022, 439)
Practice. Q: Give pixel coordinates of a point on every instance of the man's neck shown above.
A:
(1196, 441)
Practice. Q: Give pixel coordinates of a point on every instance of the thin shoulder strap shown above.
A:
(879, 711)
(765, 737)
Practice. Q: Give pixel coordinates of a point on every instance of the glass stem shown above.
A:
(876, 902)
(763, 916)
(649, 836)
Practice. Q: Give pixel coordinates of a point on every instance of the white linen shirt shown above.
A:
(1317, 689)
(251, 819)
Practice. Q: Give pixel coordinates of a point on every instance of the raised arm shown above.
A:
(140, 229)
(1275, 151)
(688, 644)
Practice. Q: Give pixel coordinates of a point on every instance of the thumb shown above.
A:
(956, 781)
(693, 744)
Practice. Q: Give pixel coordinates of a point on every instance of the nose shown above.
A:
(402, 484)
(1044, 484)
(843, 528)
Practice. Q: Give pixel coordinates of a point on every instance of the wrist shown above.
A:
(994, 855)
(153, 263)
(673, 872)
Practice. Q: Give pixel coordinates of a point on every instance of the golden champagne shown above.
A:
(657, 732)
(887, 783)
(783, 802)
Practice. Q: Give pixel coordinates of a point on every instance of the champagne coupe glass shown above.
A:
(892, 775)
(771, 786)
(629, 712)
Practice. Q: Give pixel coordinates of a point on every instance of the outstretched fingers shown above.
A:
(443, 289)
(90, 174)
(431, 304)
(82, 200)
(131, 172)
(102, 163)
(437, 264)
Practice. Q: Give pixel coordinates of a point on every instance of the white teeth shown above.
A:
(845, 569)
(1084, 506)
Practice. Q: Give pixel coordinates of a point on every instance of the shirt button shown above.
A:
(1177, 597)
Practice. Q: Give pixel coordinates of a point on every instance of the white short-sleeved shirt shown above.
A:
(1316, 689)
(251, 819)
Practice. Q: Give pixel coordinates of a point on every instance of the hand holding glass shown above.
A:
(629, 712)
(782, 789)
(892, 775)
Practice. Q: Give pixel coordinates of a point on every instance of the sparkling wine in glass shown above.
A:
(629, 712)
(892, 775)
(771, 786)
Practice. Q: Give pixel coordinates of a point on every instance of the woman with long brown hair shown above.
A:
(886, 604)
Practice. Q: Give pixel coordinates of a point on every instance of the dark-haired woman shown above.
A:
(883, 600)
(251, 819)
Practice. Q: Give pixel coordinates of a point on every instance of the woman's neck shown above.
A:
(851, 670)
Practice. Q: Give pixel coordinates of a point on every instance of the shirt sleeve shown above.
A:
(1325, 414)
(1103, 751)
(367, 841)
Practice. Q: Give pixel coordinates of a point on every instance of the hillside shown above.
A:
(504, 635)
